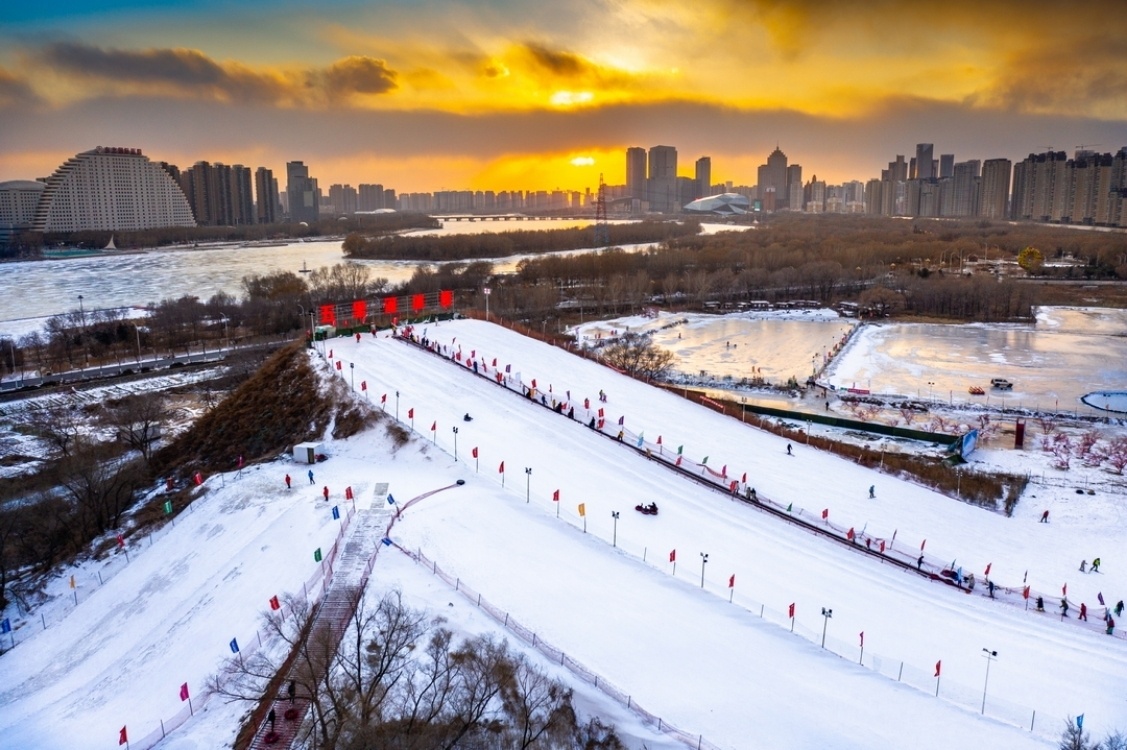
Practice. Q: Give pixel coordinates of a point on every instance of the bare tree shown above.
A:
(138, 421)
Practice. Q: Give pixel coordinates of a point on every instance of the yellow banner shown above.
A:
(582, 509)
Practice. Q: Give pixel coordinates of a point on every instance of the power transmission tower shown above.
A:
(602, 229)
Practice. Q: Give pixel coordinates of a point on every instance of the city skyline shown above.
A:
(501, 96)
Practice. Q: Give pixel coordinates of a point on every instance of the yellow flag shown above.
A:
(582, 509)
(72, 582)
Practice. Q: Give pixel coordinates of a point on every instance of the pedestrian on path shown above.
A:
(311, 477)
(292, 691)
(325, 492)
(1045, 517)
(271, 717)
(287, 481)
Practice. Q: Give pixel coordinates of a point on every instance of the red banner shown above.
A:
(359, 310)
(328, 315)
(390, 305)
(418, 302)
(446, 298)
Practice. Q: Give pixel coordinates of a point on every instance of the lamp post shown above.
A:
(528, 483)
(930, 386)
(137, 330)
(486, 291)
(455, 443)
(614, 540)
(990, 656)
(743, 410)
(226, 335)
(82, 319)
(826, 614)
(397, 406)
(703, 562)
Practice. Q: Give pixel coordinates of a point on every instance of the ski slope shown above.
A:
(606, 593)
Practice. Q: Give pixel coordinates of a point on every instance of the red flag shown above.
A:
(348, 492)
(673, 556)
(338, 364)
(924, 542)
(849, 534)
(733, 485)
(534, 382)
(556, 496)
(330, 354)
(411, 413)
(184, 692)
(790, 611)
(494, 361)
(383, 399)
(987, 569)
(274, 603)
(120, 540)
(475, 452)
(882, 545)
(600, 412)
(744, 478)
(724, 471)
(659, 439)
(501, 468)
(862, 639)
(122, 737)
(1025, 593)
(678, 462)
(732, 581)
(825, 513)
(938, 667)
(198, 478)
(363, 385)
(1064, 590)
(434, 425)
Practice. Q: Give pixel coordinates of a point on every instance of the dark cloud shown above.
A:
(15, 92)
(564, 64)
(186, 67)
(1089, 75)
(359, 75)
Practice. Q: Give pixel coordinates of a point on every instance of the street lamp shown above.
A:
(930, 385)
(703, 562)
(990, 656)
(827, 614)
(486, 291)
(137, 330)
(614, 515)
(455, 443)
(528, 483)
(226, 335)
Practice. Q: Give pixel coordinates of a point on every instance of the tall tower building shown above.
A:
(773, 179)
(966, 188)
(242, 196)
(662, 180)
(946, 165)
(794, 187)
(703, 177)
(302, 192)
(995, 192)
(266, 190)
(924, 161)
(636, 172)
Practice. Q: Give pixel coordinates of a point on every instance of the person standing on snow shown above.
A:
(1083, 612)
(919, 562)
(1045, 517)
(325, 492)
(1040, 604)
(872, 491)
(1096, 565)
(311, 477)
(1063, 608)
(287, 481)
(1119, 608)
(1083, 565)
(788, 450)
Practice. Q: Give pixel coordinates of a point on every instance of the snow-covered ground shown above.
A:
(711, 659)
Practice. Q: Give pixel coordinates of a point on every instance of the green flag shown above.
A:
(317, 555)
(789, 506)
(168, 507)
(679, 449)
(705, 461)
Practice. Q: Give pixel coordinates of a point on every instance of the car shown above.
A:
(1001, 384)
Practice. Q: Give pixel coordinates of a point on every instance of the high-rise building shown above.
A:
(302, 191)
(636, 172)
(946, 165)
(995, 192)
(115, 189)
(662, 181)
(343, 199)
(18, 200)
(370, 198)
(924, 161)
(266, 191)
(773, 178)
(242, 196)
(703, 177)
(966, 187)
(794, 187)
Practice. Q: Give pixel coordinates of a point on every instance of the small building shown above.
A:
(306, 453)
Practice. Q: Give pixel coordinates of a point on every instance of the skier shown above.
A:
(1110, 626)
(1040, 604)
(788, 450)
(325, 492)
(1063, 608)
(357, 338)
(919, 562)
(1119, 608)
(1083, 566)
(619, 437)
(287, 481)
(1045, 517)
(311, 477)
(990, 585)
(872, 491)
(1096, 565)
(1083, 612)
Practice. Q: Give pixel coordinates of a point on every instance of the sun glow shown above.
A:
(571, 98)
(582, 161)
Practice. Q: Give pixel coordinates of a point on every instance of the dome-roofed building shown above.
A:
(111, 189)
(18, 200)
(725, 204)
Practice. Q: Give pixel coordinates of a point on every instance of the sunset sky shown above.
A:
(502, 95)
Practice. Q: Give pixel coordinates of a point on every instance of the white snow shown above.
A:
(730, 671)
